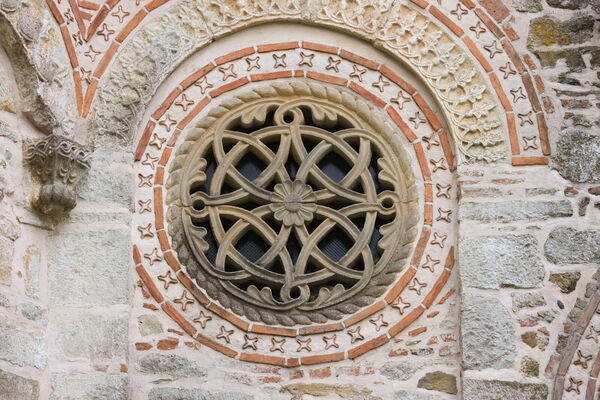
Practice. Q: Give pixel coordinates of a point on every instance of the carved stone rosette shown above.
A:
(58, 163)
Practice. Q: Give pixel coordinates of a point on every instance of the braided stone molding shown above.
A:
(459, 87)
(397, 236)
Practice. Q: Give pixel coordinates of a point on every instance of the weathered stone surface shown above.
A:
(149, 325)
(349, 392)
(12, 385)
(510, 211)
(582, 205)
(34, 313)
(548, 31)
(404, 395)
(475, 389)
(530, 339)
(400, 370)
(438, 381)
(491, 262)
(171, 365)
(6, 255)
(109, 182)
(8, 229)
(487, 332)
(576, 157)
(91, 337)
(31, 269)
(528, 5)
(567, 245)
(566, 281)
(569, 4)
(527, 300)
(76, 386)
(195, 394)
(530, 367)
(22, 343)
(89, 268)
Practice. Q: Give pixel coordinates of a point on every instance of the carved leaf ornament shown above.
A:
(292, 204)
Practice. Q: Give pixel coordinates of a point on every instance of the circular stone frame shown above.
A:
(404, 228)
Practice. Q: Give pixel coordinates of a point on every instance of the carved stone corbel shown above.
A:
(58, 164)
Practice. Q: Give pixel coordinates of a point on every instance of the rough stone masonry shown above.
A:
(181, 180)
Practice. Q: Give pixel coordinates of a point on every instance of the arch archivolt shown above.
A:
(423, 279)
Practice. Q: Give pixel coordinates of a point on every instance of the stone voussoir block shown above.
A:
(566, 245)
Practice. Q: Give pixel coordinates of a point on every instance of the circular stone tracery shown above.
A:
(291, 204)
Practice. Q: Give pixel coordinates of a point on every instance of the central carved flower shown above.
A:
(293, 203)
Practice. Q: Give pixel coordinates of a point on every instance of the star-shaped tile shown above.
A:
(167, 279)
(357, 72)
(517, 94)
(417, 286)
(478, 29)
(430, 263)
(184, 300)
(303, 344)
(439, 239)
(145, 206)
(525, 118)
(430, 141)
(306, 59)
(574, 385)
(202, 319)
(279, 61)
(184, 103)
(355, 334)
(417, 119)
(330, 342)
(582, 360)
(105, 32)
(228, 72)
(150, 161)
(153, 256)
(224, 334)
(203, 84)
(92, 54)
(68, 16)
(86, 74)
(594, 334)
(401, 98)
(334, 64)
(167, 122)
(508, 70)
(443, 190)
(121, 14)
(253, 63)
(444, 215)
(77, 38)
(530, 142)
(250, 342)
(459, 11)
(380, 84)
(400, 304)
(145, 231)
(438, 164)
(378, 322)
(157, 141)
(493, 49)
(277, 345)
(145, 180)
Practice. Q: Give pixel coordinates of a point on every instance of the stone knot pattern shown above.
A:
(291, 208)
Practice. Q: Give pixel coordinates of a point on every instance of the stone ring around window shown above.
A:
(293, 203)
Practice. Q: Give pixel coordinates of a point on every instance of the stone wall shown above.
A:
(516, 317)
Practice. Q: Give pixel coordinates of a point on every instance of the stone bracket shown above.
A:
(57, 164)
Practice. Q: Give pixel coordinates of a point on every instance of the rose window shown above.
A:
(292, 208)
